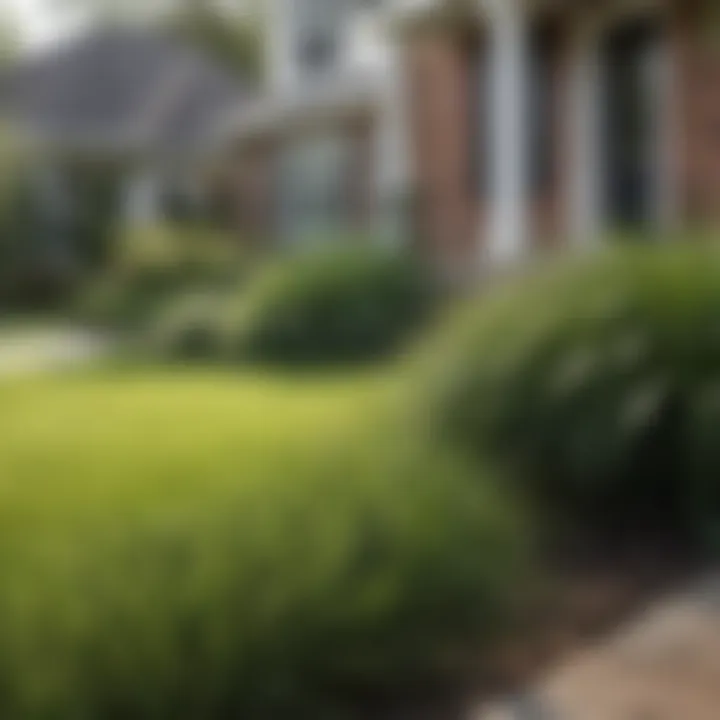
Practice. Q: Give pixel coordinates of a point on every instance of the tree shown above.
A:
(233, 35)
(9, 37)
(18, 238)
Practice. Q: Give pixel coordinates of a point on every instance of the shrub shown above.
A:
(153, 265)
(34, 272)
(186, 329)
(187, 252)
(94, 215)
(202, 546)
(598, 380)
(351, 305)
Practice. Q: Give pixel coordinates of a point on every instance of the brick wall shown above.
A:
(445, 70)
(697, 54)
(440, 72)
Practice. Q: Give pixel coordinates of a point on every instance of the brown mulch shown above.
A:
(582, 599)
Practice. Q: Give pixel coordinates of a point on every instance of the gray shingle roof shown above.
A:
(120, 89)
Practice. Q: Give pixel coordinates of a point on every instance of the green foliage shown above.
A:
(207, 545)
(187, 329)
(599, 380)
(12, 201)
(155, 264)
(10, 36)
(352, 305)
(234, 39)
(31, 274)
(95, 215)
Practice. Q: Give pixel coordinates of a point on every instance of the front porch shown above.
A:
(545, 123)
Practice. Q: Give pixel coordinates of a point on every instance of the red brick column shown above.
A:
(697, 58)
(441, 93)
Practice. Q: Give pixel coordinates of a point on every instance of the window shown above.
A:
(320, 25)
(318, 50)
(540, 113)
(314, 182)
(322, 31)
(541, 109)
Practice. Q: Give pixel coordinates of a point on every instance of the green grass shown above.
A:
(201, 545)
(112, 425)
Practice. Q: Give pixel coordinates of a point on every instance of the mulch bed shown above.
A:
(583, 598)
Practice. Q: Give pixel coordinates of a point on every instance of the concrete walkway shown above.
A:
(663, 666)
(32, 350)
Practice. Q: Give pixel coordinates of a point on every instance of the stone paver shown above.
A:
(663, 666)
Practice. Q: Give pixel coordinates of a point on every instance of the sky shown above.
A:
(40, 26)
(36, 24)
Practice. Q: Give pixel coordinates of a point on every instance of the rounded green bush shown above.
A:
(350, 305)
(186, 329)
(598, 380)
(154, 265)
(200, 546)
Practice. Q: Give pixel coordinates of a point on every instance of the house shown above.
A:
(125, 113)
(323, 151)
(485, 129)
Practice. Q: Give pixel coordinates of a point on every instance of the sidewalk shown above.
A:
(663, 666)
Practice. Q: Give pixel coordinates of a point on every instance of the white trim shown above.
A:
(508, 57)
(392, 151)
(281, 60)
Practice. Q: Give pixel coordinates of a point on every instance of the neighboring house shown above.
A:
(128, 103)
(491, 127)
(323, 153)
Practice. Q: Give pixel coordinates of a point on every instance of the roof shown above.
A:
(120, 89)
(345, 95)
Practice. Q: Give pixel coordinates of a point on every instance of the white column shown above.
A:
(281, 20)
(142, 199)
(584, 196)
(392, 153)
(508, 59)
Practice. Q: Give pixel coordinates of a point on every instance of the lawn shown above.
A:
(107, 450)
(181, 425)
(207, 544)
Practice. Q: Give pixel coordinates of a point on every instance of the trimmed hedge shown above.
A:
(202, 546)
(349, 305)
(187, 329)
(151, 267)
(599, 380)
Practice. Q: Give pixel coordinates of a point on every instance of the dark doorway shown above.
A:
(630, 123)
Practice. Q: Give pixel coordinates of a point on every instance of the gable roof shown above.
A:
(121, 89)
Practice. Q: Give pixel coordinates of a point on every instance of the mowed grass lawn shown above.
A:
(110, 450)
(184, 427)
(208, 544)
